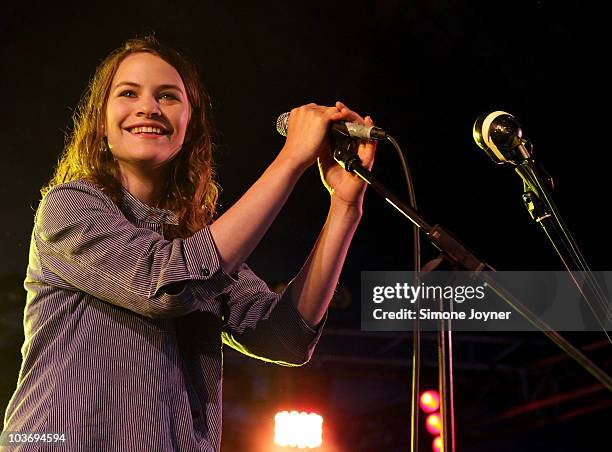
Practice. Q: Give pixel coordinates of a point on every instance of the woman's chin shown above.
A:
(146, 159)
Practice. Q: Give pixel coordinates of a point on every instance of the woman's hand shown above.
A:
(347, 188)
(308, 133)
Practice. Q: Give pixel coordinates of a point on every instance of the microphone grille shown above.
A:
(282, 124)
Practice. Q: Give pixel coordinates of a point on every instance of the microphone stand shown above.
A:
(539, 204)
(459, 256)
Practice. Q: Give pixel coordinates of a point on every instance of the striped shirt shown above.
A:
(124, 330)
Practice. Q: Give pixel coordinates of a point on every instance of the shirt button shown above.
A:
(205, 271)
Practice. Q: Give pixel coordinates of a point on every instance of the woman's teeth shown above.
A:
(154, 130)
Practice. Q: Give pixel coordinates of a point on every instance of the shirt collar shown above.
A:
(141, 211)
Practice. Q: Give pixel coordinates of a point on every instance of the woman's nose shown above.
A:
(148, 106)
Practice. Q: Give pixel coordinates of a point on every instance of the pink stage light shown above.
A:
(430, 401)
(437, 445)
(434, 423)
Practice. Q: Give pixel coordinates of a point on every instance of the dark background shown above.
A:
(424, 70)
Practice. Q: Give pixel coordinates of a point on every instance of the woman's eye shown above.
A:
(127, 93)
(167, 96)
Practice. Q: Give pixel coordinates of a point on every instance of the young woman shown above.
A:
(133, 285)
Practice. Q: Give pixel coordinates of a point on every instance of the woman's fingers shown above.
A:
(347, 114)
(367, 149)
(339, 112)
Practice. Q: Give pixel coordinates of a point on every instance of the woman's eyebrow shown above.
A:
(136, 85)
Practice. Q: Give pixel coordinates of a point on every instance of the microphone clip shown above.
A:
(343, 150)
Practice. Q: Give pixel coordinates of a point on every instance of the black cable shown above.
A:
(416, 333)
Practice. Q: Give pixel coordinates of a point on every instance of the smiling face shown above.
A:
(147, 113)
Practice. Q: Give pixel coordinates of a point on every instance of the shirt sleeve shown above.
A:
(266, 325)
(83, 238)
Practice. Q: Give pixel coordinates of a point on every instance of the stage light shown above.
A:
(430, 401)
(437, 445)
(302, 430)
(434, 423)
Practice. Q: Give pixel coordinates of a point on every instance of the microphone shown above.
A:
(350, 129)
(500, 135)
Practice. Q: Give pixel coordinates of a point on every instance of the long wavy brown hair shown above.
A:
(191, 191)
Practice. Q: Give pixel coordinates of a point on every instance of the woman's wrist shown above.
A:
(294, 164)
(351, 211)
